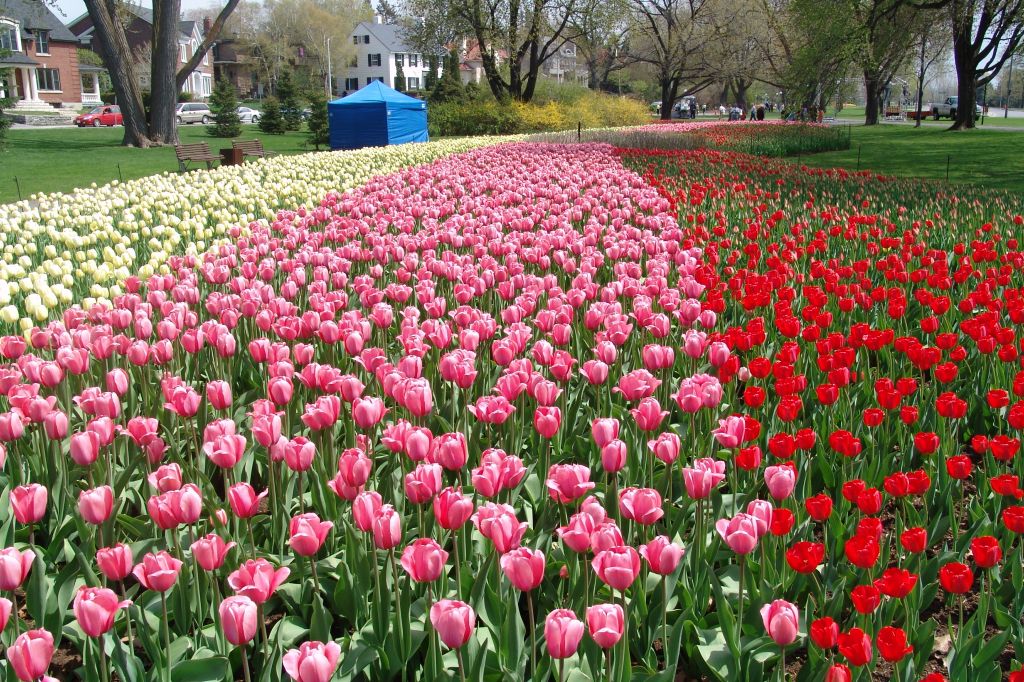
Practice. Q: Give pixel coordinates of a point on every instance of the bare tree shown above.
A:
(985, 34)
(160, 128)
(671, 36)
(600, 31)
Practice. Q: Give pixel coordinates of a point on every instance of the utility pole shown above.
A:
(330, 76)
(1009, 88)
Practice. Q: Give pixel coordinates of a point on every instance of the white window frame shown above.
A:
(182, 53)
(399, 59)
(412, 83)
(38, 73)
(207, 85)
(414, 60)
(371, 58)
(11, 24)
(42, 36)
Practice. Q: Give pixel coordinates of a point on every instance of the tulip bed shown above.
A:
(535, 411)
(79, 247)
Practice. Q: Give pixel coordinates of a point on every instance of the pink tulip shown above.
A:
(95, 608)
(617, 567)
(614, 456)
(605, 623)
(30, 654)
(367, 412)
(453, 620)
(424, 560)
(665, 447)
(563, 632)
(423, 482)
(365, 507)
(166, 478)
(387, 528)
(642, 505)
(703, 477)
(662, 555)
(354, 467)
(718, 354)
(498, 523)
(6, 606)
(96, 505)
(648, 414)
(28, 503)
(450, 450)
(11, 427)
(781, 621)
(524, 568)
(299, 453)
(245, 503)
(218, 393)
(730, 432)
(211, 551)
(225, 451)
(115, 562)
(257, 579)
(308, 533)
(606, 536)
(157, 571)
(55, 424)
(761, 511)
(568, 482)
(740, 533)
(238, 619)
(452, 509)
(781, 480)
(604, 430)
(312, 661)
(576, 535)
(547, 420)
(14, 567)
(637, 385)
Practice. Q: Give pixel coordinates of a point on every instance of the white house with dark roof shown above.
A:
(380, 48)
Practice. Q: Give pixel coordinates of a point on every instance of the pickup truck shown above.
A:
(948, 109)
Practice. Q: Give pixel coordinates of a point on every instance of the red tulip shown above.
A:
(956, 578)
(855, 645)
(986, 551)
(824, 633)
(896, 583)
(865, 598)
(805, 557)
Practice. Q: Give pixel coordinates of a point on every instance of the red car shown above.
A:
(106, 115)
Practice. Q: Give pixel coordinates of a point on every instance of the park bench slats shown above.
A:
(199, 151)
(252, 148)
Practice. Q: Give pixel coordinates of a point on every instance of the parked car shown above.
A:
(193, 112)
(248, 115)
(106, 115)
(948, 108)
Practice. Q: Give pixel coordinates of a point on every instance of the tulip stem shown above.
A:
(167, 636)
(458, 564)
(533, 634)
(561, 670)
(14, 614)
(312, 570)
(739, 619)
(664, 619)
(104, 673)
(608, 663)
(782, 667)
(462, 671)
(245, 665)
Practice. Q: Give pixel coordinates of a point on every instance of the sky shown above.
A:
(70, 9)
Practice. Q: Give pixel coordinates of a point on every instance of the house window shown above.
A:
(206, 57)
(10, 37)
(414, 60)
(182, 53)
(42, 42)
(374, 78)
(207, 86)
(366, 40)
(373, 59)
(355, 40)
(351, 83)
(400, 59)
(48, 79)
(412, 83)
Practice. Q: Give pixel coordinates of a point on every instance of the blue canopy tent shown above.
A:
(376, 116)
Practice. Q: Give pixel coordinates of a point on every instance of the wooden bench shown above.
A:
(252, 148)
(199, 151)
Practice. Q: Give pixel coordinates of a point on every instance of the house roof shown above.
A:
(18, 59)
(390, 35)
(146, 14)
(35, 15)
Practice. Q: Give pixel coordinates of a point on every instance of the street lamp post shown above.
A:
(330, 76)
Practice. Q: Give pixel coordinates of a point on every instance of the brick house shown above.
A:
(139, 32)
(41, 71)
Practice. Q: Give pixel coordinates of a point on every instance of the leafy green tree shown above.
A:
(400, 77)
(288, 96)
(449, 86)
(319, 131)
(224, 105)
(430, 77)
(5, 122)
(271, 119)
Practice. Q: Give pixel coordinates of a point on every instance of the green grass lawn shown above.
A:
(988, 158)
(57, 160)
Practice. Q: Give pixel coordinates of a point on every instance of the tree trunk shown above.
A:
(669, 88)
(966, 61)
(871, 87)
(117, 58)
(162, 124)
(740, 86)
(723, 99)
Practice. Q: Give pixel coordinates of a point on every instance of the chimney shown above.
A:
(206, 25)
(378, 19)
